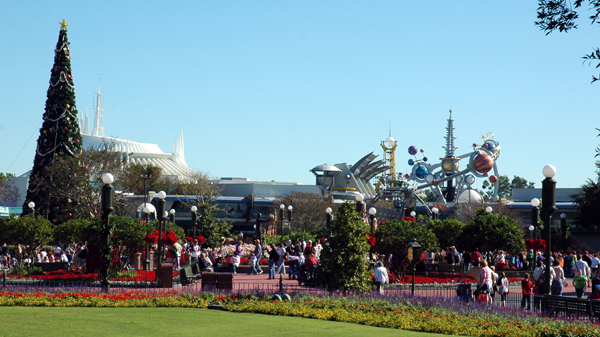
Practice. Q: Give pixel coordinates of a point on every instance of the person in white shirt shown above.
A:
(595, 261)
(195, 251)
(317, 250)
(381, 276)
(584, 267)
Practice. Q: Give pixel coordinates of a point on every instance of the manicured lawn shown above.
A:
(53, 321)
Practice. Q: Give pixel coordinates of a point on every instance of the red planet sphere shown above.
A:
(493, 179)
(483, 163)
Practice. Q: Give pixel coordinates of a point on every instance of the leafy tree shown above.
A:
(206, 193)
(309, 210)
(342, 265)
(132, 183)
(505, 186)
(30, 231)
(587, 200)
(59, 137)
(392, 237)
(9, 192)
(491, 232)
(211, 228)
(561, 15)
(446, 231)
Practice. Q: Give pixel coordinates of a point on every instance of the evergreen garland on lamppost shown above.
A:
(59, 136)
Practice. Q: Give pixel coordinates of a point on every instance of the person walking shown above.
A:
(503, 288)
(273, 258)
(381, 277)
(527, 290)
(556, 287)
(258, 252)
(579, 282)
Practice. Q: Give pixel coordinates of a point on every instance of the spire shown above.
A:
(450, 138)
(98, 118)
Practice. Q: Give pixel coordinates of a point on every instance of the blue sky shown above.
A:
(267, 90)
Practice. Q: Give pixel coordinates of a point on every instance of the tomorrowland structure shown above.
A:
(445, 181)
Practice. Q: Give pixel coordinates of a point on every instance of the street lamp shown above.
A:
(435, 212)
(194, 210)
(145, 176)
(161, 218)
(531, 229)
(289, 217)
(489, 209)
(414, 257)
(372, 220)
(359, 203)
(172, 215)
(413, 214)
(328, 219)
(31, 205)
(107, 208)
(535, 215)
(548, 207)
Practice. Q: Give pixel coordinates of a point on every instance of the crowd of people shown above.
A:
(73, 254)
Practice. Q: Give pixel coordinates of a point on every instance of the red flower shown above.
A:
(189, 239)
(371, 241)
(409, 219)
(200, 239)
(170, 238)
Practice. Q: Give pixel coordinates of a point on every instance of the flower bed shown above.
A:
(396, 312)
(73, 299)
(65, 275)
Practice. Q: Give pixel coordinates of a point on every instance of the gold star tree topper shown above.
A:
(63, 24)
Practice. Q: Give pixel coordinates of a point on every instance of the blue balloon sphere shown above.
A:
(424, 158)
(490, 146)
(422, 172)
(412, 150)
(411, 162)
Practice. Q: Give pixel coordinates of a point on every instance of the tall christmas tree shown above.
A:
(59, 138)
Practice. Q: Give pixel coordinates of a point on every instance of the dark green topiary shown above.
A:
(343, 265)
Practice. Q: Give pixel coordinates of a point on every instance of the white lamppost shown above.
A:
(31, 205)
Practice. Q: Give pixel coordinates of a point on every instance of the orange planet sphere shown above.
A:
(483, 163)
(493, 179)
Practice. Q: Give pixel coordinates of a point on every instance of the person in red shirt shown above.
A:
(311, 263)
(527, 288)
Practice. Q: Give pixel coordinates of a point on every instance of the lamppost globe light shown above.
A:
(435, 210)
(146, 209)
(360, 197)
(172, 211)
(166, 214)
(194, 208)
(413, 214)
(489, 209)
(470, 180)
(549, 171)
(328, 210)
(429, 178)
(531, 228)
(108, 178)
(161, 195)
(372, 211)
(31, 204)
(535, 202)
(563, 215)
(282, 206)
(290, 207)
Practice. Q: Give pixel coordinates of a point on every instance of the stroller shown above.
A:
(294, 270)
(306, 276)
